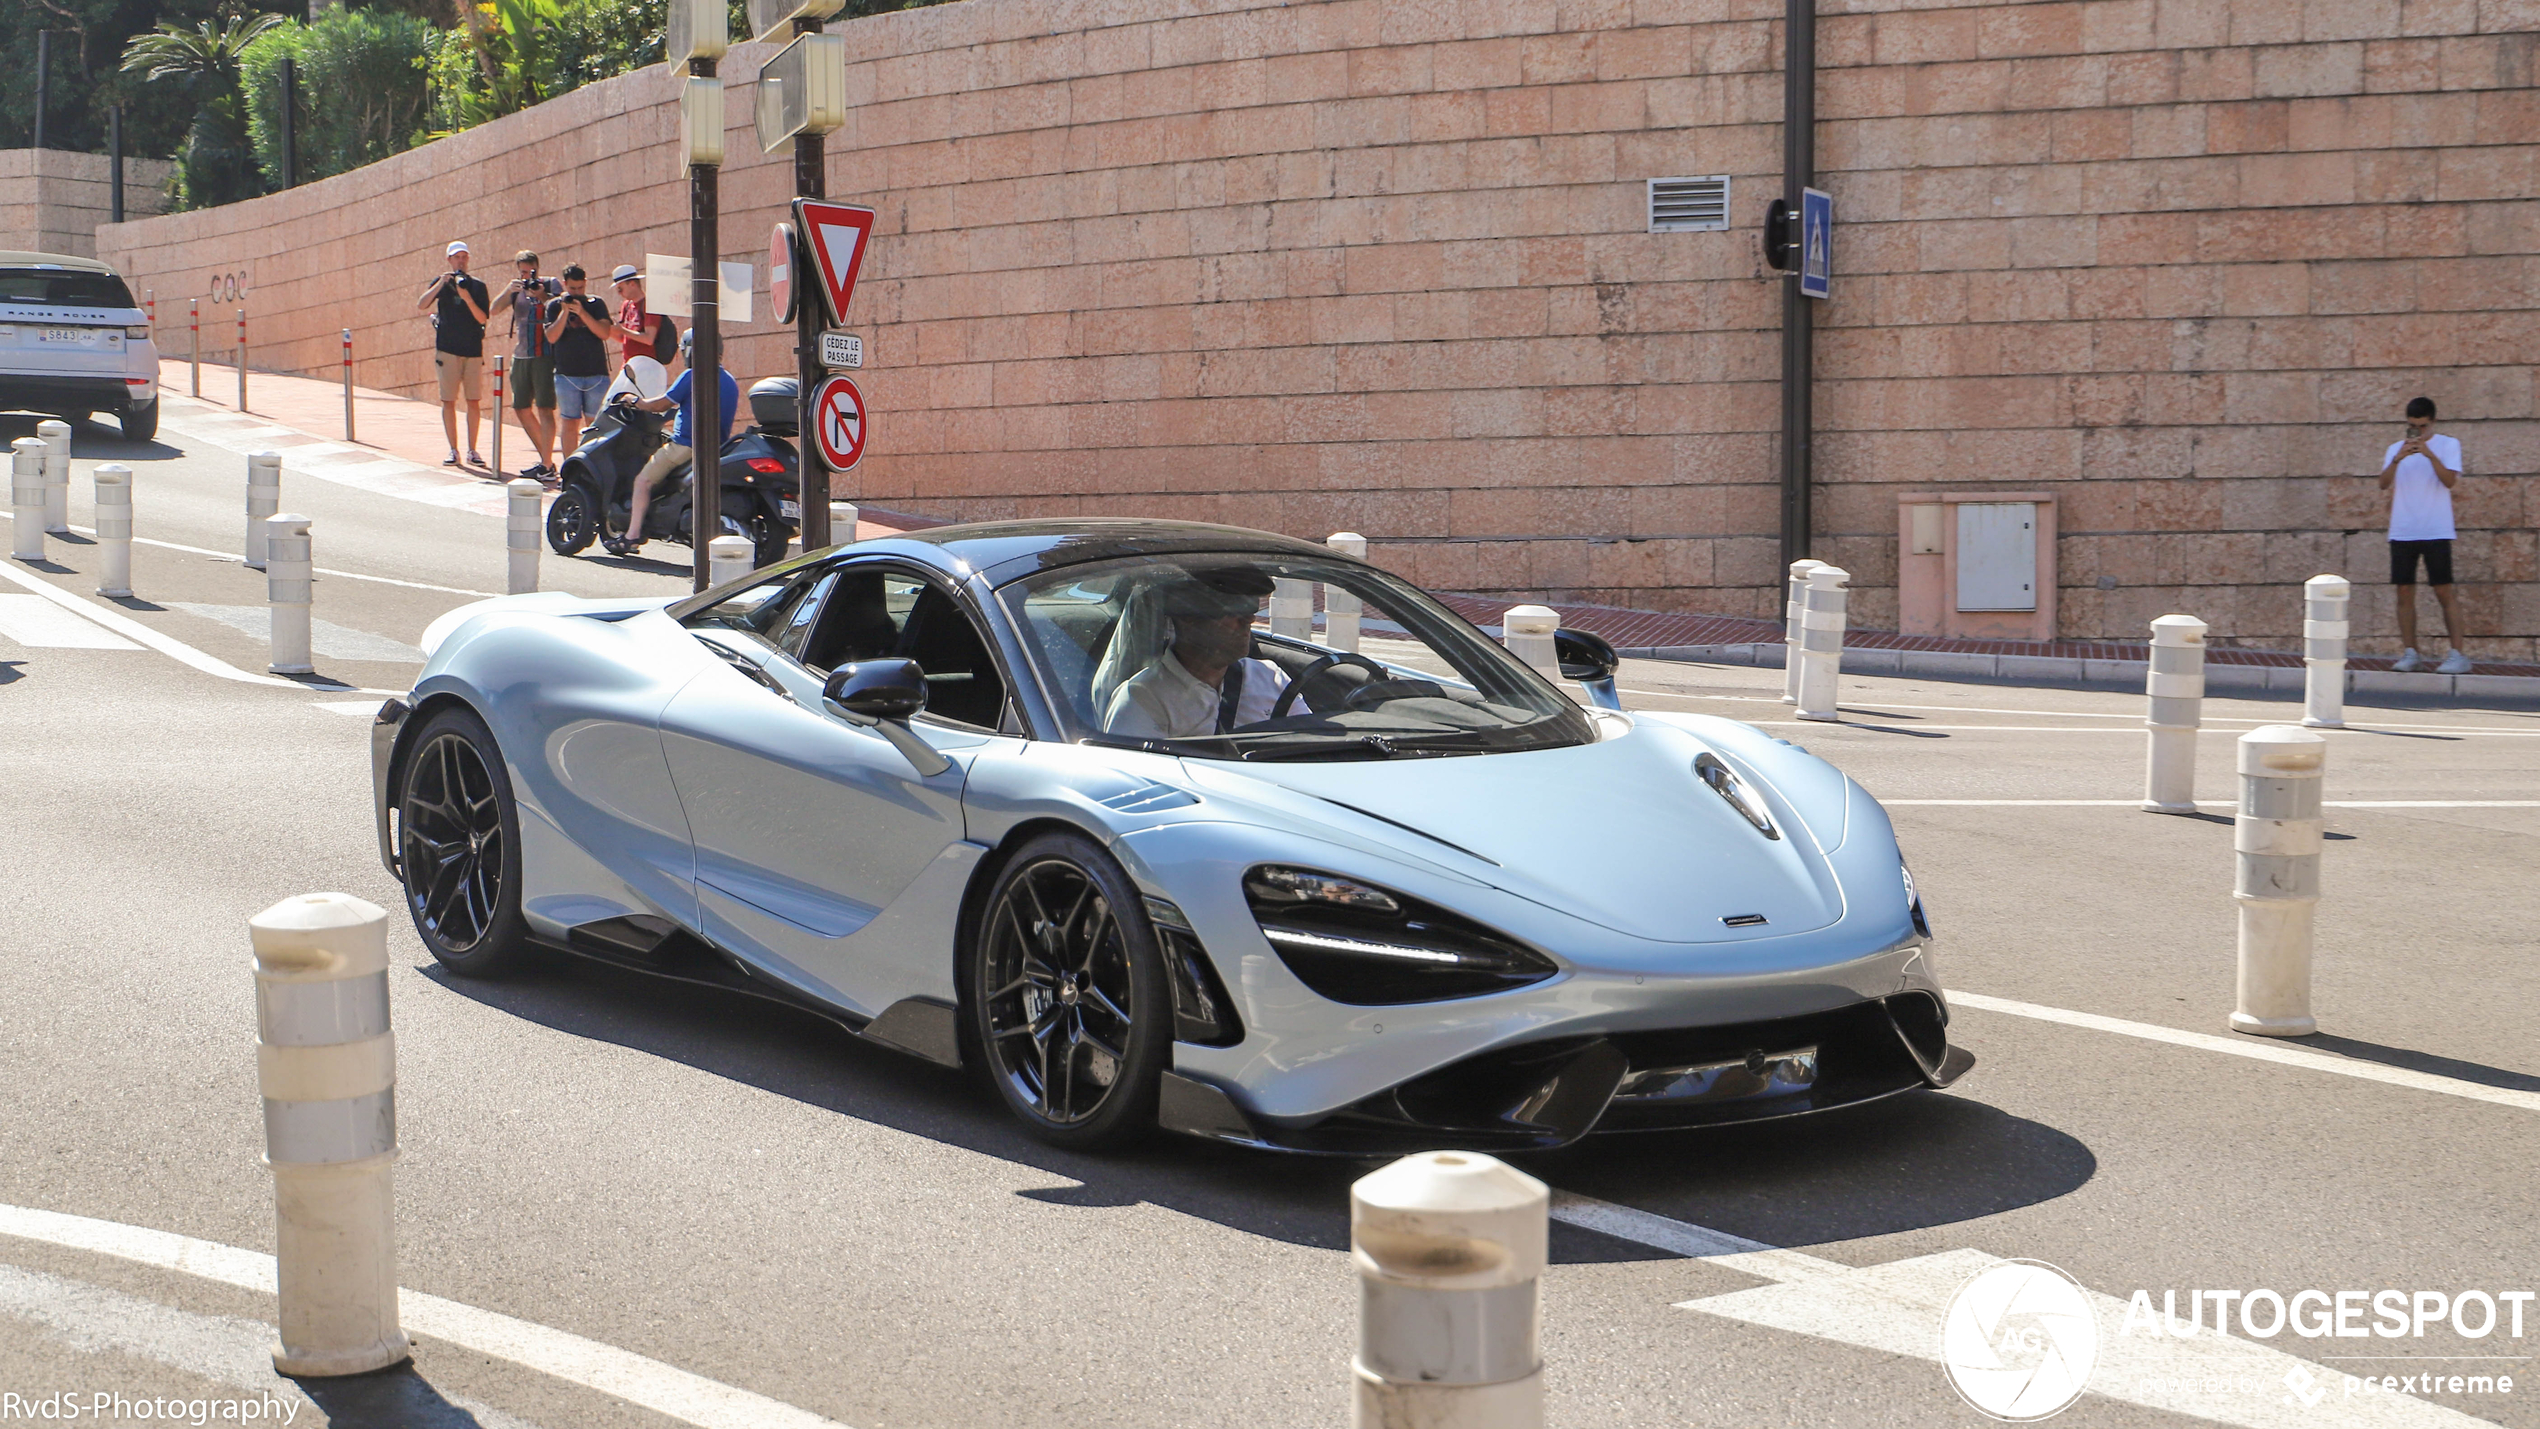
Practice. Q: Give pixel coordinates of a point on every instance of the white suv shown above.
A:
(73, 342)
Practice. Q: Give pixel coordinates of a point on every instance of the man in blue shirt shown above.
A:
(678, 452)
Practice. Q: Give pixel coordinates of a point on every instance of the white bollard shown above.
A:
(2277, 843)
(264, 497)
(327, 1064)
(1822, 604)
(2175, 691)
(1527, 632)
(842, 519)
(114, 528)
(1450, 1249)
(2324, 604)
(288, 586)
(1792, 601)
(728, 558)
(26, 499)
(1341, 607)
(1292, 608)
(522, 533)
(57, 476)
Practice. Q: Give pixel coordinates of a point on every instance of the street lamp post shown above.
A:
(697, 33)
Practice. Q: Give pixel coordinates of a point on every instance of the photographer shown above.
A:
(578, 327)
(533, 365)
(2419, 471)
(458, 307)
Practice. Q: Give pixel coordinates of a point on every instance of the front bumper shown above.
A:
(1533, 1096)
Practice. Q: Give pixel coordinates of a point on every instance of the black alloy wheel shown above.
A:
(1068, 996)
(573, 519)
(458, 846)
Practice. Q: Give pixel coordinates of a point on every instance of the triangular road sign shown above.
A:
(835, 234)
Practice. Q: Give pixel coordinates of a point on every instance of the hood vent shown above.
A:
(1749, 805)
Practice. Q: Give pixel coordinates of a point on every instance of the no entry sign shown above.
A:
(837, 422)
(835, 235)
(780, 272)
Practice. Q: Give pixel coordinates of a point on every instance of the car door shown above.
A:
(821, 852)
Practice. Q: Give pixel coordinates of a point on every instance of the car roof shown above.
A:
(1002, 551)
(52, 260)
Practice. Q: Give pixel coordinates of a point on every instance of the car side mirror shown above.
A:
(877, 689)
(883, 695)
(1588, 659)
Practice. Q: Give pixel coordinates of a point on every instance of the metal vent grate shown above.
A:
(1690, 205)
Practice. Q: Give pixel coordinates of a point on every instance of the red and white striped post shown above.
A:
(242, 359)
(194, 341)
(348, 384)
(498, 414)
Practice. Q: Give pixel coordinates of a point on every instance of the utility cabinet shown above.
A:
(1976, 565)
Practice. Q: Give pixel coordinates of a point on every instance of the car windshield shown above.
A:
(1176, 654)
(62, 288)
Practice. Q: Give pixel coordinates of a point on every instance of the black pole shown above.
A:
(114, 153)
(811, 181)
(43, 78)
(290, 123)
(705, 362)
(1799, 171)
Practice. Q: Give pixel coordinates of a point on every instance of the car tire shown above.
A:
(573, 518)
(140, 424)
(1088, 974)
(454, 798)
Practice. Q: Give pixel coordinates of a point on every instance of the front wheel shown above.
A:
(1068, 997)
(573, 520)
(458, 846)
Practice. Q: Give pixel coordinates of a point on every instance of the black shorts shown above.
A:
(2403, 562)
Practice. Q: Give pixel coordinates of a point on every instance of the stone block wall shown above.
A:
(54, 200)
(1383, 265)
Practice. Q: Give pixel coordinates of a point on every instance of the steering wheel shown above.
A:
(1287, 697)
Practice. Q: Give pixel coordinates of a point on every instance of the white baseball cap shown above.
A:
(455, 247)
(624, 272)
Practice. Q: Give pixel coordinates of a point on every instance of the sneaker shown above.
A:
(2408, 660)
(452, 459)
(475, 460)
(2455, 663)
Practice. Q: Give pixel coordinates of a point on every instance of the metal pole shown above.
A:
(114, 151)
(1799, 171)
(811, 180)
(242, 359)
(194, 341)
(498, 413)
(705, 364)
(43, 81)
(290, 123)
(348, 385)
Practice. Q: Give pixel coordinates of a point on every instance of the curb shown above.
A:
(2042, 669)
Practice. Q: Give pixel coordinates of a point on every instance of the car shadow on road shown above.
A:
(1918, 1160)
(90, 441)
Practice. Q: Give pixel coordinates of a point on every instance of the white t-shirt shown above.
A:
(2420, 504)
(1165, 701)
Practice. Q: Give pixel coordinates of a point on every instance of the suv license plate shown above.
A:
(793, 510)
(74, 336)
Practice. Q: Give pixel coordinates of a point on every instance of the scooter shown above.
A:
(760, 470)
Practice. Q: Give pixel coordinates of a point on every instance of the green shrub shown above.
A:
(361, 90)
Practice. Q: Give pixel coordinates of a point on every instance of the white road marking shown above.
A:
(353, 709)
(39, 624)
(1897, 1308)
(335, 642)
(2078, 714)
(689, 1398)
(92, 1319)
(236, 558)
(2257, 1050)
(124, 625)
(2208, 803)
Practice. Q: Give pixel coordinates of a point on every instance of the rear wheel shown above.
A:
(573, 520)
(1068, 998)
(458, 846)
(140, 424)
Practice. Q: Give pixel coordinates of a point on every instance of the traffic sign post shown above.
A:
(838, 425)
(841, 349)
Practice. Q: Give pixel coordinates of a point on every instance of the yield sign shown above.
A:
(835, 234)
(837, 422)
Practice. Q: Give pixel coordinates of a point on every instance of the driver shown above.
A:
(1204, 682)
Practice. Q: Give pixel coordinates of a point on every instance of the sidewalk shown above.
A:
(398, 448)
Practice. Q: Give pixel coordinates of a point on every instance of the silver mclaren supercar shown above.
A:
(1048, 800)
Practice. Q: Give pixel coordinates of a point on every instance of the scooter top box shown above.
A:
(774, 403)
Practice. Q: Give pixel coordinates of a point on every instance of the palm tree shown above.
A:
(217, 164)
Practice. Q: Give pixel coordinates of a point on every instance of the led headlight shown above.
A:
(1371, 947)
(1913, 900)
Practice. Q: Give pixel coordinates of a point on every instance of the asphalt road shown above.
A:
(752, 1197)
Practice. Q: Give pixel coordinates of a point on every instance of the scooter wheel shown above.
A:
(573, 520)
